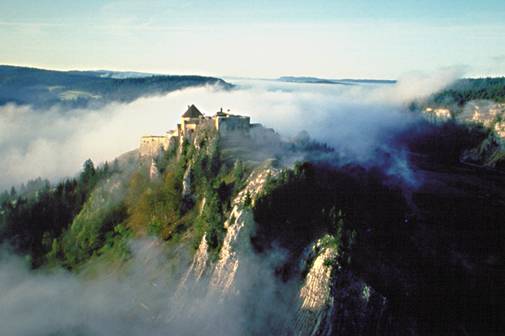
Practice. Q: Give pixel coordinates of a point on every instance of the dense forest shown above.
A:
(467, 89)
(33, 217)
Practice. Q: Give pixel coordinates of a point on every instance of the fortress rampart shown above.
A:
(191, 120)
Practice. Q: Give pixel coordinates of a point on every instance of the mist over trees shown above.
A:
(32, 218)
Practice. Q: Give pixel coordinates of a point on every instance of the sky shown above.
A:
(262, 39)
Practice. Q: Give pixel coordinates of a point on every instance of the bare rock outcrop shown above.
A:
(315, 295)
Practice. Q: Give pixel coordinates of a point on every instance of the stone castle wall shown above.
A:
(151, 145)
(224, 124)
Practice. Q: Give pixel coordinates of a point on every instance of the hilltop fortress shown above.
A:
(191, 120)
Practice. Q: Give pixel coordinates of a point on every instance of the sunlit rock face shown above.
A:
(320, 302)
(236, 244)
(200, 262)
(315, 292)
(487, 113)
(314, 297)
(239, 227)
(193, 280)
(216, 295)
(483, 111)
(499, 129)
(154, 172)
(437, 114)
(186, 183)
(235, 241)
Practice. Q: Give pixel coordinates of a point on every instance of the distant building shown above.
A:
(191, 120)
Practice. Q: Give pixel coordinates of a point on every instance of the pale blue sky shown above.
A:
(367, 38)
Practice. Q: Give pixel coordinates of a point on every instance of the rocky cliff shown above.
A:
(242, 240)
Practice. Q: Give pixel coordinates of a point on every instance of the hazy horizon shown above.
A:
(257, 39)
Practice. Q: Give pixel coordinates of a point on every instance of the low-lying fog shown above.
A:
(54, 143)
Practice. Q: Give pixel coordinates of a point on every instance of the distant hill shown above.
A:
(113, 74)
(315, 80)
(45, 88)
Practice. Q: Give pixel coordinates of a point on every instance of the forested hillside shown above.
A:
(45, 88)
(468, 89)
(351, 248)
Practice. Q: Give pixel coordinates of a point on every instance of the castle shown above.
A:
(191, 120)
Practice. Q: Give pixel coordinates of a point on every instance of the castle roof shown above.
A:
(192, 112)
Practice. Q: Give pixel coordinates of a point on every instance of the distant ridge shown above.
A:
(45, 88)
(315, 80)
(114, 74)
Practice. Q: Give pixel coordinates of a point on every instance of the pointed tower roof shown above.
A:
(192, 112)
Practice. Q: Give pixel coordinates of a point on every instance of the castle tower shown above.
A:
(192, 113)
(190, 121)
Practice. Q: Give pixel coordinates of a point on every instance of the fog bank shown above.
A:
(142, 299)
(354, 118)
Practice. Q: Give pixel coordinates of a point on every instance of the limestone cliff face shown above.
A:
(236, 243)
(154, 172)
(489, 115)
(318, 303)
(199, 264)
(314, 298)
(238, 226)
(186, 183)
